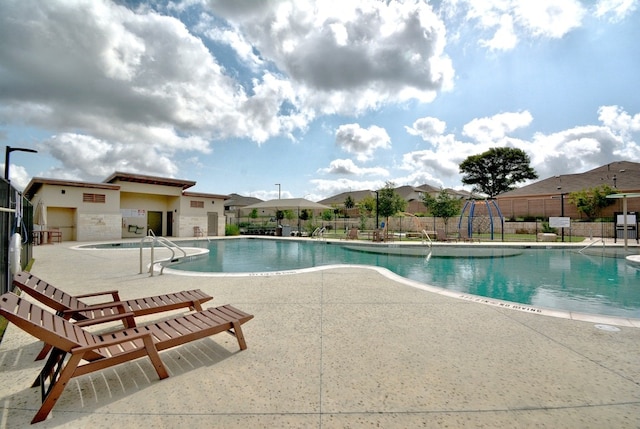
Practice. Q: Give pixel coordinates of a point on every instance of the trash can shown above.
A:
(279, 231)
(286, 230)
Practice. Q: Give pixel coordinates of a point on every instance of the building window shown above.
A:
(197, 204)
(93, 198)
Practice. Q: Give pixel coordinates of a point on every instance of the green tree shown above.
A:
(590, 202)
(327, 215)
(306, 214)
(367, 204)
(444, 206)
(497, 170)
(289, 215)
(389, 202)
(349, 203)
(253, 214)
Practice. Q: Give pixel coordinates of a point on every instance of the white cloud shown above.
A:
(618, 120)
(504, 39)
(362, 142)
(428, 128)
(348, 167)
(495, 128)
(349, 55)
(93, 159)
(509, 21)
(327, 188)
(616, 10)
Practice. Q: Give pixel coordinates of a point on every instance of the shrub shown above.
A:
(231, 229)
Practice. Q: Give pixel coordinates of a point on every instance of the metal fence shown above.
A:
(16, 216)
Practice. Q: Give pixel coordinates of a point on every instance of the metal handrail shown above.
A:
(318, 232)
(591, 244)
(153, 239)
(428, 241)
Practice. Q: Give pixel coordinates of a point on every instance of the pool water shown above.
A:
(552, 278)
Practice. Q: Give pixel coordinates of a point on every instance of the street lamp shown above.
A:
(278, 185)
(6, 158)
(377, 205)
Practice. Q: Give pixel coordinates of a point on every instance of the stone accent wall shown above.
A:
(99, 227)
(187, 223)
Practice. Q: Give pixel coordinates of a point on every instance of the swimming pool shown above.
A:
(551, 278)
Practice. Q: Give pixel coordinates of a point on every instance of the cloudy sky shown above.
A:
(321, 97)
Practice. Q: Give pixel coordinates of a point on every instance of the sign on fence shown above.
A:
(560, 222)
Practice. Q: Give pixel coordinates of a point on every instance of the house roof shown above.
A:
(338, 200)
(624, 176)
(37, 182)
(236, 200)
(150, 180)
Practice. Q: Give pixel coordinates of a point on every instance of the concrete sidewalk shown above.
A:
(335, 348)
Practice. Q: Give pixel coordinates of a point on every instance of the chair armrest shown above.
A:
(100, 306)
(108, 343)
(105, 319)
(114, 294)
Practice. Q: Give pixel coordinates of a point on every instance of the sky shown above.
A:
(314, 98)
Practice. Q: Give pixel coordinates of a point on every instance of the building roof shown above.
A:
(37, 182)
(338, 200)
(236, 200)
(623, 176)
(150, 180)
(204, 195)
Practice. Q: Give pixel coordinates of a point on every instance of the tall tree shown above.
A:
(497, 170)
(444, 206)
(349, 203)
(389, 202)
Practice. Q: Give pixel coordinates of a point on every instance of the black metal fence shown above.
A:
(16, 216)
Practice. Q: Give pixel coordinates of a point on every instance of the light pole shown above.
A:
(278, 185)
(377, 205)
(6, 158)
(562, 212)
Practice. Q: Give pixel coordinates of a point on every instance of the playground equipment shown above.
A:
(490, 206)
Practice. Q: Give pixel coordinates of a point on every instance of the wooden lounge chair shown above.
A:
(464, 236)
(442, 236)
(352, 234)
(91, 352)
(71, 307)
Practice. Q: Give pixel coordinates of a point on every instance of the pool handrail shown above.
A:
(591, 244)
(153, 239)
(428, 241)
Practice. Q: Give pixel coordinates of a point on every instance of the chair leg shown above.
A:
(154, 356)
(237, 329)
(58, 387)
(43, 353)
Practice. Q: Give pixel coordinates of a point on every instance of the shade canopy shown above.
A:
(287, 204)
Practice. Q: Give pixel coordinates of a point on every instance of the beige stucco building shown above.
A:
(125, 205)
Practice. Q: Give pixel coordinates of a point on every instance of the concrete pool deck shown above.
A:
(334, 348)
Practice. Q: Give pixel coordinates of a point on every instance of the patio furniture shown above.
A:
(352, 234)
(442, 236)
(71, 307)
(197, 232)
(464, 236)
(91, 352)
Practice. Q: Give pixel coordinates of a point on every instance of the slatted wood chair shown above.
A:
(442, 236)
(352, 234)
(71, 307)
(90, 352)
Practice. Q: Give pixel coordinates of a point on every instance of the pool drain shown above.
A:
(608, 328)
